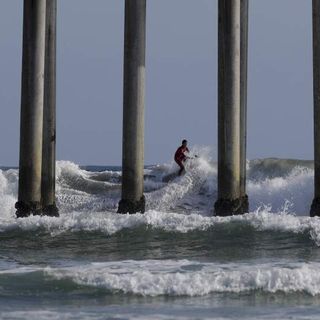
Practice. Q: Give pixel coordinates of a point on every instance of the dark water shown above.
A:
(176, 261)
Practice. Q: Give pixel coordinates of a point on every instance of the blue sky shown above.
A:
(181, 85)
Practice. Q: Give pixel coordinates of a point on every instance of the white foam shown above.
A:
(131, 312)
(8, 192)
(297, 188)
(70, 176)
(192, 195)
(52, 315)
(100, 314)
(110, 222)
(83, 191)
(20, 270)
(187, 278)
(200, 173)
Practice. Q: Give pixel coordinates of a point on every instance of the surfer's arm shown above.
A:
(187, 155)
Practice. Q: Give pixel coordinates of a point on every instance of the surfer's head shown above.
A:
(184, 142)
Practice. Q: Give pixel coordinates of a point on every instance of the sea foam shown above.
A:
(110, 223)
(271, 182)
(188, 278)
(280, 193)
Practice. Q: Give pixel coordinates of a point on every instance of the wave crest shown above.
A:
(186, 278)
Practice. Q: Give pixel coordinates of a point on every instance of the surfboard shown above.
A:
(175, 175)
(172, 176)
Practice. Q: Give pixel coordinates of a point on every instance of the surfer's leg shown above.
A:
(180, 164)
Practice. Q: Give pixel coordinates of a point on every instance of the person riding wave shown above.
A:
(180, 157)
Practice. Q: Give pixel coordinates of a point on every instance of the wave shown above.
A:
(150, 315)
(105, 314)
(184, 277)
(111, 223)
(274, 167)
(88, 200)
(271, 182)
(70, 176)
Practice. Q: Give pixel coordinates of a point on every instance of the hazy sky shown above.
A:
(181, 85)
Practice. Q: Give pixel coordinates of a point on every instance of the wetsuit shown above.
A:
(180, 157)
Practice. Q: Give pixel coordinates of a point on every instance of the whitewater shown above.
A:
(176, 261)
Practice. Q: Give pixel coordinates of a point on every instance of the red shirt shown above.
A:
(179, 155)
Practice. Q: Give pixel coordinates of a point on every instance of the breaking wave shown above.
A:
(280, 194)
(184, 277)
(110, 223)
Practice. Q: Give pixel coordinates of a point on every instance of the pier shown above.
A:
(48, 197)
(315, 207)
(133, 107)
(36, 194)
(232, 55)
(32, 103)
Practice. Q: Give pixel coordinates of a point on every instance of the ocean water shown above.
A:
(176, 261)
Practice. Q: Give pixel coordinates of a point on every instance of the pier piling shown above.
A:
(230, 118)
(315, 207)
(244, 28)
(133, 199)
(32, 94)
(49, 115)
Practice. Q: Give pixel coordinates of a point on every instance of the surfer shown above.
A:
(180, 157)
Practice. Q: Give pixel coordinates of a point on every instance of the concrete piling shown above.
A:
(49, 115)
(244, 28)
(32, 94)
(133, 199)
(315, 207)
(230, 200)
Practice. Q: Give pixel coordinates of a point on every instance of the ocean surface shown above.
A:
(176, 261)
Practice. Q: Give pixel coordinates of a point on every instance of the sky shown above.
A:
(181, 79)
